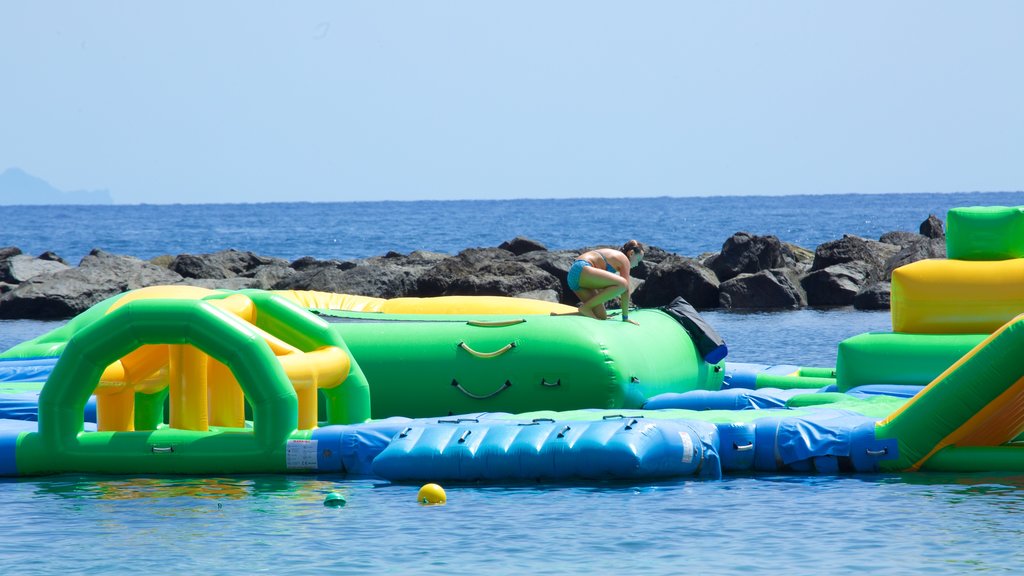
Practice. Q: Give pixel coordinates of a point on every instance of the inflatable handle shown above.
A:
(554, 384)
(494, 354)
(744, 448)
(504, 387)
(496, 323)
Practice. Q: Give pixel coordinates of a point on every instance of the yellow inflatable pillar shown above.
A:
(187, 368)
(226, 400)
(326, 367)
(115, 409)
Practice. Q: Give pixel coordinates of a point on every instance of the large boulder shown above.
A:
(678, 276)
(521, 245)
(932, 227)
(52, 256)
(767, 289)
(557, 264)
(66, 293)
(484, 272)
(390, 276)
(266, 277)
(877, 296)
(745, 252)
(900, 238)
(310, 263)
(8, 251)
(19, 268)
(851, 248)
(838, 284)
(234, 283)
(922, 249)
(797, 258)
(223, 264)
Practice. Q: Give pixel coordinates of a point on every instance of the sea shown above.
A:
(921, 523)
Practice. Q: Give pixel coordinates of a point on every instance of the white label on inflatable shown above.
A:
(687, 447)
(301, 455)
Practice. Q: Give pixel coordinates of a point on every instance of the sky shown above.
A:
(197, 101)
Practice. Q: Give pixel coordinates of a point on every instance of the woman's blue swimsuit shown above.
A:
(577, 268)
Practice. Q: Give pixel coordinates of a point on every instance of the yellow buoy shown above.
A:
(431, 494)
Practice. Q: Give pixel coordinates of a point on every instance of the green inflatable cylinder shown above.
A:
(899, 358)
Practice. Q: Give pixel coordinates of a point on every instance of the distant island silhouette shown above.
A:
(18, 187)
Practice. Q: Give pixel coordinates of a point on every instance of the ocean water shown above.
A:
(878, 524)
(687, 226)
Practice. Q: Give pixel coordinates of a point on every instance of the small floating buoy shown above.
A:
(334, 500)
(431, 494)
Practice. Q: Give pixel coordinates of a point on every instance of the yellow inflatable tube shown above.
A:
(956, 296)
(204, 391)
(435, 305)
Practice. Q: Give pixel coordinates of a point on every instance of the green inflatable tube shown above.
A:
(429, 365)
(787, 382)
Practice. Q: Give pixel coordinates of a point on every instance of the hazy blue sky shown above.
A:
(263, 101)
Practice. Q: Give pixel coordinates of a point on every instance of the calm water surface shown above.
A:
(879, 524)
(910, 524)
(891, 524)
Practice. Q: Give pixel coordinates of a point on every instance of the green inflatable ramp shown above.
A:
(977, 402)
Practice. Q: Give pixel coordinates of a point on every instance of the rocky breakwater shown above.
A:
(750, 272)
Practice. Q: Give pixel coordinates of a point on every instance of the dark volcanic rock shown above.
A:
(223, 264)
(797, 257)
(778, 288)
(520, 245)
(389, 276)
(836, 285)
(923, 249)
(873, 297)
(62, 294)
(8, 251)
(20, 268)
(854, 249)
(484, 272)
(557, 264)
(900, 238)
(932, 227)
(679, 276)
(379, 281)
(234, 283)
(744, 252)
(307, 263)
(266, 277)
(51, 256)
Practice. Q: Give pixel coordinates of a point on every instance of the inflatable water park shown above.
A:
(187, 380)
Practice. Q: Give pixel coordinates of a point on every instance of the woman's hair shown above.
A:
(632, 245)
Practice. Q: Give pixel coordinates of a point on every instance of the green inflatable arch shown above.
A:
(61, 445)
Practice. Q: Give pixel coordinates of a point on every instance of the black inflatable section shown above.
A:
(710, 345)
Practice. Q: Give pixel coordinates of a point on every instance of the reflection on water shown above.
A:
(765, 524)
(72, 486)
